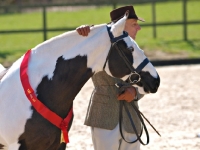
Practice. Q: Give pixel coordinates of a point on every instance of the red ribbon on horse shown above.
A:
(38, 105)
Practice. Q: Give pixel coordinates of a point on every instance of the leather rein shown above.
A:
(134, 71)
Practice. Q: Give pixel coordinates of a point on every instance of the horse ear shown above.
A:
(126, 14)
(118, 27)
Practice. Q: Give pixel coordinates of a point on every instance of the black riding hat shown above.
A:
(118, 13)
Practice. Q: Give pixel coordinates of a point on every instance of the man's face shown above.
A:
(132, 27)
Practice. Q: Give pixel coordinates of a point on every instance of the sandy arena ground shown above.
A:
(174, 110)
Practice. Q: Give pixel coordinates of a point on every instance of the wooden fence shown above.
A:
(154, 23)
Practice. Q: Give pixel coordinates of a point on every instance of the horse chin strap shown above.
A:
(131, 82)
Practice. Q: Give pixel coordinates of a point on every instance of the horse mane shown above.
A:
(70, 39)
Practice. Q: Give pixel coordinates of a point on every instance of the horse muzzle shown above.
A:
(151, 85)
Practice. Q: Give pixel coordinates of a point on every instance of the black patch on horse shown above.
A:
(115, 61)
(57, 94)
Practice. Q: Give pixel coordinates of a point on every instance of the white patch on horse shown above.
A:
(13, 105)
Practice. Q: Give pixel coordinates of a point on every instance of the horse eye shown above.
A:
(131, 49)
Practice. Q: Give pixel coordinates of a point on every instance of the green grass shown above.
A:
(169, 38)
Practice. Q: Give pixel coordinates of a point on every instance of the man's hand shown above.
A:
(83, 30)
(128, 95)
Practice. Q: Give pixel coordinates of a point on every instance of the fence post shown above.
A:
(154, 19)
(185, 19)
(44, 23)
(19, 6)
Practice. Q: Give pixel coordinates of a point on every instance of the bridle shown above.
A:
(114, 43)
(134, 71)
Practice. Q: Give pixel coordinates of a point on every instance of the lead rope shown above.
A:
(139, 112)
(140, 115)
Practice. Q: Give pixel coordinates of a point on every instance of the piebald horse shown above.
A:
(57, 70)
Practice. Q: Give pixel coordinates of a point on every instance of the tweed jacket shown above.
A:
(103, 110)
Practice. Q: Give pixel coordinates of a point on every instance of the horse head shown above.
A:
(128, 62)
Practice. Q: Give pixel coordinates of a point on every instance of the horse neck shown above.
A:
(69, 45)
(65, 63)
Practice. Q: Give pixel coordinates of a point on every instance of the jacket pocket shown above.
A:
(100, 98)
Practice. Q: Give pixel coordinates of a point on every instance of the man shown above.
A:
(103, 110)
